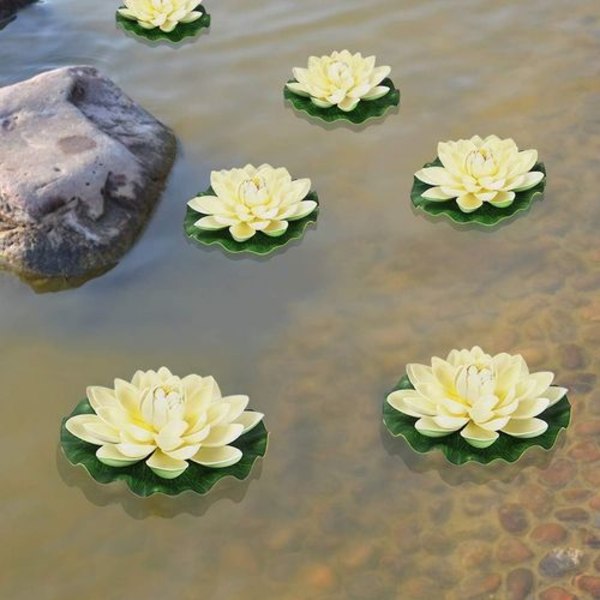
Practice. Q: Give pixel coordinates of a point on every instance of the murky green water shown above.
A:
(316, 335)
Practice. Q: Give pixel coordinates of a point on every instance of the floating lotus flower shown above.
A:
(481, 180)
(477, 407)
(179, 429)
(251, 209)
(342, 86)
(172, 20)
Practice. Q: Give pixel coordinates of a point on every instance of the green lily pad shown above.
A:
(182, 31)
(259, 244)
(458, 451)
(365, 110)
(142, 481)
(487, 215)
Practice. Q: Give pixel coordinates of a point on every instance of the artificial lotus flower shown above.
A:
(478, 395)
(165, 420)
(253, 199)
(342, 79)
(164, 14)
(479, 170)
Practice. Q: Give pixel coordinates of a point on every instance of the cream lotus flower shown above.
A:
(166, 420)
(480, 170)
(479, 395)
(342, 79)
(253, 199)
(164, 14)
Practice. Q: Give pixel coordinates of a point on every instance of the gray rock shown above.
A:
(81, 169)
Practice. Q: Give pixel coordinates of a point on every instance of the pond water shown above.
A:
(318, 334)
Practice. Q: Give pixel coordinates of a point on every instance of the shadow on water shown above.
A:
(49, 285)
(164, 43)
(342, 124)
(473, 226)
(217, 248)
(158, 505)
(457, 475)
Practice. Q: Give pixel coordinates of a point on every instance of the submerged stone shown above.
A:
(519, 584)
(557, 593)
(513, 518)
(82, 168)
(560, 561)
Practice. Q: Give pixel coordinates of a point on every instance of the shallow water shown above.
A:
(318, 334)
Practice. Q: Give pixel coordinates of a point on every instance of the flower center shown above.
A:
(163, 404)
(253, 191)
(339, 71)
(481, 163)
(475, 382)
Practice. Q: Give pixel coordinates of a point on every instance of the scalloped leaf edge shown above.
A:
(449, 209)
(457, 451)
(372, 109)
(180, 33)
(260, 244)
(253, 444)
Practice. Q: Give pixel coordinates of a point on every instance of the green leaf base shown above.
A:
(458, 451)
(182, 31)
(259, 244)
(365, 110)
(487, 215)
(142, 481)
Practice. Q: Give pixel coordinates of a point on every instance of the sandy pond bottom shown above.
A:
(318, 334)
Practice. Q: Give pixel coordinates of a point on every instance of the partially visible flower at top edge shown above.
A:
(478, 170)
(166, 420)
(164, 14)
(478, 395)
(341, 79)
(252, 200)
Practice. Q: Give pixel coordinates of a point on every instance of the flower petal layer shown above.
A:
(166, 421)
(479, 171)
(341, 79)
(477, 394)
(252, 200)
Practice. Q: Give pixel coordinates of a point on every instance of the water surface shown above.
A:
(317, 334)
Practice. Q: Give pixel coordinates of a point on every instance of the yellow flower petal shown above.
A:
(436, 194)
(529, 180)
(98, 434)
(101, 396)
(218, 458)
(165, 466)
(468, 203)
(525, 428)
(530, 408)
(249, 420)
(109, 455)
(478, 437)
(502, 199)
(428, 427)
(241, 232)
(555, 394)
(221, 435)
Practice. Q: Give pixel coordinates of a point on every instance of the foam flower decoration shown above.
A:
(478, 175)
(165, 421)
(164, 14)
(251, 203)
(342, 80)
(168, 19)
(479, 400)
(339, 84)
